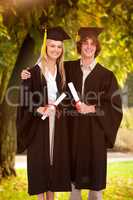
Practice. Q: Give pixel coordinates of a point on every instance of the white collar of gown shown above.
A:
(51, 84)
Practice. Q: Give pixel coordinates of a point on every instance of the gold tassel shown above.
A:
(77, 38)
(43, 49)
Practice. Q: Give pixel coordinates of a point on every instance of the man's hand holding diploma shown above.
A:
(80, 106)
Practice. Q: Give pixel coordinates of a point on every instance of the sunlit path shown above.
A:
(112, 157)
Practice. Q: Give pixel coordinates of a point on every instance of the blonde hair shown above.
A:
(60, 64)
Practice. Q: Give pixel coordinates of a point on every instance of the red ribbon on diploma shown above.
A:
(77, 105)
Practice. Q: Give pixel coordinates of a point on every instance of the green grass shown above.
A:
(119, 185)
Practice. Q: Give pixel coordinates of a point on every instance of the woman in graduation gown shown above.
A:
(96, 120)
(46, 140)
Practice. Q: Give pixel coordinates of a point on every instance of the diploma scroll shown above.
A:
(56, 103)
(75, 95)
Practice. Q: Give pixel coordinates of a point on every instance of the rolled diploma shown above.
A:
(56, 103)
(73, 91)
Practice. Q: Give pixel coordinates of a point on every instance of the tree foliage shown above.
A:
(115, 16)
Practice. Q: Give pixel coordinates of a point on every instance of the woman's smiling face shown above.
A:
(54, 49)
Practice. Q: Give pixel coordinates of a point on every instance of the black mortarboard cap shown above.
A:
(57, 33)
(86, 31)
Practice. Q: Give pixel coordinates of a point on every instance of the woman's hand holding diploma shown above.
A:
(47, 110)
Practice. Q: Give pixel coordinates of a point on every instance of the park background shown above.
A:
(20, 44)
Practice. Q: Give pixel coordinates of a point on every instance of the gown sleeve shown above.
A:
(25, 125)
(111, 108)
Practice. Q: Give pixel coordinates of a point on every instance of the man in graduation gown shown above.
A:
(94, 124)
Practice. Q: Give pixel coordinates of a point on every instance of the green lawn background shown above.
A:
(119, 185)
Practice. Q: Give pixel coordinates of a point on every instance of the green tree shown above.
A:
(129, 85)
(117, 42)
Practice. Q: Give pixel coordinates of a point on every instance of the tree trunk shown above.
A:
(7, 140)
(8, 111)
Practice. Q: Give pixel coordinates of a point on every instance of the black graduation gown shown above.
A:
(33, 135)
(91, 134)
